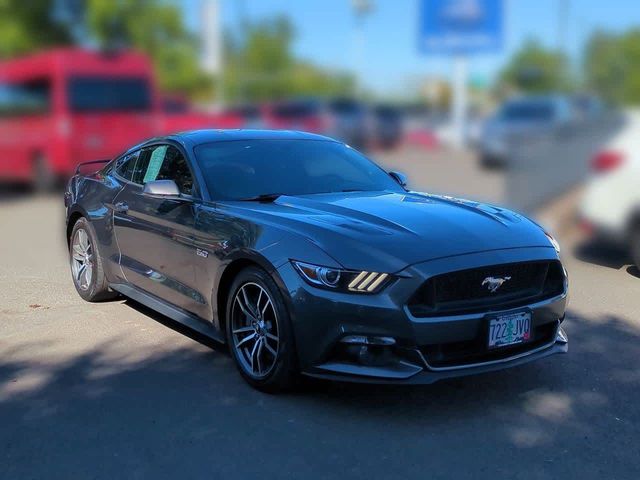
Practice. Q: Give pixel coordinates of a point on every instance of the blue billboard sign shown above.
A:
(460, 26)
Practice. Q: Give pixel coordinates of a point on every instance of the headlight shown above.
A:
(554, 242)
(344, 280)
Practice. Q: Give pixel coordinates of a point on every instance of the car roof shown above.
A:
(197, 137)
(193, 138)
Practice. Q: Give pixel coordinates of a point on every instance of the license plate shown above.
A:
(509, 329)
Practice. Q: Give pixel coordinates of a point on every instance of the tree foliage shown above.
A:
(26, 26)
(260, 65)
(156, 28)
(259, 61)
(536, 69)
(612, 66)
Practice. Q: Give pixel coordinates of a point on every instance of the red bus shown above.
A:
(65, 106)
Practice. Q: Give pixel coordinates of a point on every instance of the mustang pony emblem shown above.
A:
(494, 283)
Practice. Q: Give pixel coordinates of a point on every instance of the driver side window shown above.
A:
(164, 162)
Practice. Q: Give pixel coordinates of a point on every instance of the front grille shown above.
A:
(468, 291)
(443, 355)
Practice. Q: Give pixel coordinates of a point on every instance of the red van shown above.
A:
(65, 106)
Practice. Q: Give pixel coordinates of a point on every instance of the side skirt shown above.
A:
(174, 313)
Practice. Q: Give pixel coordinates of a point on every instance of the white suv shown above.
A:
(611, 205)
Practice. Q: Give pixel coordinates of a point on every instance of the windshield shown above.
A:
(532, 111)
(32, 97)
(241, 169)
(99, 94)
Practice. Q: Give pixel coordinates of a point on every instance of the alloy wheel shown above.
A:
(254, 327)
(82, 259)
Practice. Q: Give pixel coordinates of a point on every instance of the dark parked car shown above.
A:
(307, 258)
(342, 118)
(387, 125)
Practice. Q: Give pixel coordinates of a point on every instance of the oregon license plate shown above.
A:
(509, 329)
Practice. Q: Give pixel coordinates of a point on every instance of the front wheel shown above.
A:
(259, 332)
(635, 245)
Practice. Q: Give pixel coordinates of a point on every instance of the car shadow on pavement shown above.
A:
(182, 410)
(633, 271)
(602, 254)
(10, 191)
(178, 327)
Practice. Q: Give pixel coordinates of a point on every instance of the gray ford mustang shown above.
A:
(307, 258)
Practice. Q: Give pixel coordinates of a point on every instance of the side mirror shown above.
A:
(162, 188)
(401, 178)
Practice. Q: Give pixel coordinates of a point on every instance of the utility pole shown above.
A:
(212, 44)
(459, 101)
(361, 9)
(563, 24)
(243, 24)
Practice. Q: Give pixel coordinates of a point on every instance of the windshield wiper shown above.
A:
(264, 197)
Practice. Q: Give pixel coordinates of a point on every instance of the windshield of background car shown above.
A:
(240, 169)
(295, 110)
(537, 111)
(26, 98)
(98, 94)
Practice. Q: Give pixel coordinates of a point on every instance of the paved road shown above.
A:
(114, 391)
(451, 172)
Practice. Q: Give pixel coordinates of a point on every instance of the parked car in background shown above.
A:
(191, 118)
(587, 107)
(71, 105)
(521, 116)
(251, 115)
(342, 118)
(610, 208)
(388, 127)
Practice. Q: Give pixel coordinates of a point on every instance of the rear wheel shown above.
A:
(259, 332)
(86, 264)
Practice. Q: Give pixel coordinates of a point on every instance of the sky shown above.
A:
(388, 60)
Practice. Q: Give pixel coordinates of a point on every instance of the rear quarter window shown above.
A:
(125, 166)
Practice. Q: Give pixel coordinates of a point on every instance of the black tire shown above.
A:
(492, 162)
(635, 246)
(44, 178)
(283, 373)
(96, 289)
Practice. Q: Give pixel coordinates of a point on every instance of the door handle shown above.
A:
(121, 207)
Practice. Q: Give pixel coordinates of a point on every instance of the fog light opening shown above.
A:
(368, 340)
(369, 350)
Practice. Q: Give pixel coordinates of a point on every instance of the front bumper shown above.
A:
(322, 318)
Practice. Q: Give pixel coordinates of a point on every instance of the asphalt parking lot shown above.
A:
(113, 390)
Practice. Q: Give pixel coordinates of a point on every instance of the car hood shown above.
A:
(389, 231)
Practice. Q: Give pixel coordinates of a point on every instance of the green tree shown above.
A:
(536, 69)
(157, 28)
(260, 65)
(611, 65)
(26, 26)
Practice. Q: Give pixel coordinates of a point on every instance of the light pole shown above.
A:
(361, 8)
(212, 48)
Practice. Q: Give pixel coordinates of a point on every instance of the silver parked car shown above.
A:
(518, 117)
